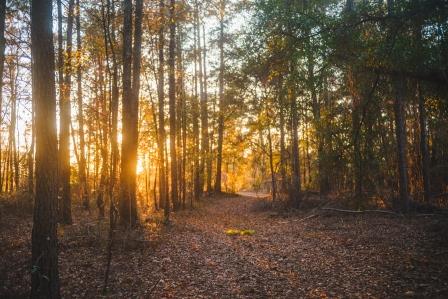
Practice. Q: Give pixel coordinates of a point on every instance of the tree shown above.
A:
(128, 200)
(79, 95)
(222, 7)
(172, 104)
(161, 103)
(44, 259)
(2, 65)
(65, 121)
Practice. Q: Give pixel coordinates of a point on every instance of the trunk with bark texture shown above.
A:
(128, 201)
(44, 260)
(82, 143)
(172, 105)
(204, 120)
(400, 134)
(65, 118)
(424, 146)
(221, 102)
(281, 104)
(2, 65)
(163, 198)
(294, 194)
(197, 186)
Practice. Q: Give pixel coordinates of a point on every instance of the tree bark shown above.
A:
(294, 194)
(197, 186)
(204, 118)
(65, 118)
(172, 105)
(424, 145)
(271, 166)
(183, 120)
(44, 260)
(221, 100)
(281, 104)
(400, 134)
(2, 65)
(79, 96)
(128, 201)
(163, 199)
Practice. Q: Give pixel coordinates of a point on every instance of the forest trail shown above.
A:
(333, 255)
(330, 256)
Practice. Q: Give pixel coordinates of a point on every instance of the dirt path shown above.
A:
(335, 256)
(330, 256)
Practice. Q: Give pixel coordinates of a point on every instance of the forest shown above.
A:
(223, 149)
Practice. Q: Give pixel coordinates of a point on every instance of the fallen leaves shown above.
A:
(331, 256)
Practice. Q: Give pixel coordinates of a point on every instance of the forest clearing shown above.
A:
(223, 149)
(332, 255)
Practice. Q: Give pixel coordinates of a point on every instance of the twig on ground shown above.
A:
(307, 217)
(361, 211)
(154, 287)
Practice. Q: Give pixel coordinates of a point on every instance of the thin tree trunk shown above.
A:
(82, 143)
(294, 195)
(203, 106)
(44, 260)
(206, 137)
(110, 34)
(103, 142)
(400, 134)
(221, 101)
(271, 165)
(172, 105)
(65, 118)
(197, 186)
(424, 145)
(183, 118)
(2, 64)
(163, 198)
(31, 152)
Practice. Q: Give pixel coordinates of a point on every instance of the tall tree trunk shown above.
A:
(221, 100)
(110, 35)
(65, 118)
(294, 194)
(400, 134)
(12, 150)
(424, 145)
(163, 198)
(356, 136)
(103, 141)
(323, 177)
(271, 166)
(172, 105)
(79, 96)
(128, 201)
(180, 117)
(281, 108)
(31, 152)
(204, 118)
(2, 64)
(183, 120)
(203, 106)
(60, 75)
(197, 185)
(44, 260)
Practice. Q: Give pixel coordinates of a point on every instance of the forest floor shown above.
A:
(290, 255)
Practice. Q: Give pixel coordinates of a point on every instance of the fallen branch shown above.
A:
(154, 287)
(361, 211)
(307, 217)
